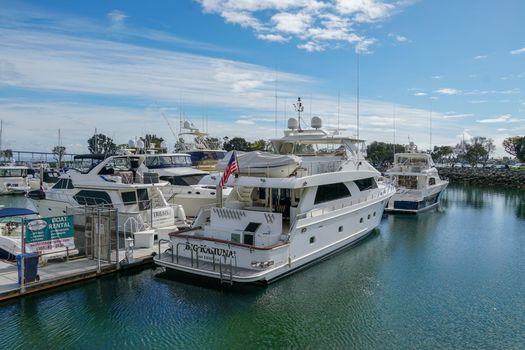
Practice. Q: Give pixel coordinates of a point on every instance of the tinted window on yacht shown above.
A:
(159, 162)
(326, 193)
(63, 184)
(366, 184)
(200, 156)
(187, 180)
(92, 197)
(144, 202)
(129, 198)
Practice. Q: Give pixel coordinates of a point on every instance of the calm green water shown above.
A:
(448, 279)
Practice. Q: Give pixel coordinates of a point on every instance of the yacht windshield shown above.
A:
(13, 172)
(186, 180)
(202, 156)
(157, 162)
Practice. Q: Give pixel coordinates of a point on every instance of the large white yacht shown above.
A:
(13, 179)
(281, 217)
(119, 182)
(417, 181)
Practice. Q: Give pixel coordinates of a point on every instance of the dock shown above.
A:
(63, 273)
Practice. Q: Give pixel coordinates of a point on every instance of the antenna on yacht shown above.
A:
(338, 109)
(394, 121)
(357, 108)
(299, 108)
(430, 127)
(275, 90)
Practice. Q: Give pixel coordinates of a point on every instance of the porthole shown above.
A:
(368, 217)
(213, 194)
(361, 220)
(340, 228)
(312, 239)
(197, 192)
(374, 213)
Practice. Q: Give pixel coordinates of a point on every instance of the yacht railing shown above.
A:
(354, 202)
(226, 269)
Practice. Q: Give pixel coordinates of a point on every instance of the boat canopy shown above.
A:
(8, 212)
(257, 159)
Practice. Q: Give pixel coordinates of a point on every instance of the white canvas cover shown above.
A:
(257, 159)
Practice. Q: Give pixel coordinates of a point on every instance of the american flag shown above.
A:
(230, 169)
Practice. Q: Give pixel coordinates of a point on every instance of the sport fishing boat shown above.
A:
(271, 226)
(418, 184)
(13, 179)
(193, 142)
(121, 182)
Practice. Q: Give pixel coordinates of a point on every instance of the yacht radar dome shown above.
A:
(132, 144)
(187, 125)
(316, 123)
(164, 145)
(292, 123)
(140, 144)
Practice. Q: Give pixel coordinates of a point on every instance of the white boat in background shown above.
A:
(183, 180)
(13, 179)
(418, 183)
(43, 178)
(271, 226)
(120, 182)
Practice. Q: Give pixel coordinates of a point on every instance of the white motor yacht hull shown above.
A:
(231, 263)
(416, 201)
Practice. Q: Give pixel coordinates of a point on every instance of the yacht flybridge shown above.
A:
(282, 215)
(417, 181)
(204, 156)
(120, 182)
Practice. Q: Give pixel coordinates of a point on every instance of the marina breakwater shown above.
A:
(482, 176)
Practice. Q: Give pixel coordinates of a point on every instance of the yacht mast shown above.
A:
(299, 108)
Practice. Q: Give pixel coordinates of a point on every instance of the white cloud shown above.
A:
(456, 115)
(518, 51)
(244, 122)
(273, 37)
(480, 57)
(399, 38)
(420, 94)
(365, 10)
(477, 101)
(316, 25)
(448, 91)
(117, 19)
(506, 118)
(437, 77)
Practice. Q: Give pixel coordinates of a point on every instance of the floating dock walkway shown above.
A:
(57, 274)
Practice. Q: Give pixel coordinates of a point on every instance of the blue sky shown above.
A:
(119, 65)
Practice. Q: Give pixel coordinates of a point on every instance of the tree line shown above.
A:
(477, 150)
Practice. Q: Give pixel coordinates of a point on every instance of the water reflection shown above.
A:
(441, 279)
(479, 197)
